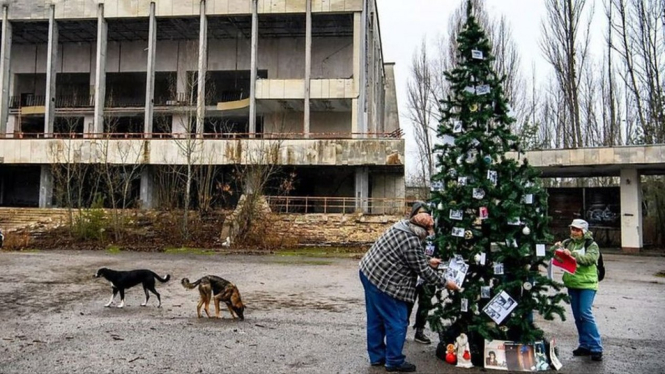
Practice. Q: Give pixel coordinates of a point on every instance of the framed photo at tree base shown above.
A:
(512, 356)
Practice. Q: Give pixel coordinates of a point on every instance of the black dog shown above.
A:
(122, 280)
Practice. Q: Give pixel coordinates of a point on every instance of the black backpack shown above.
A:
(600, 266)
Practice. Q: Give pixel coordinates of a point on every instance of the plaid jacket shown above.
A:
(394, 262)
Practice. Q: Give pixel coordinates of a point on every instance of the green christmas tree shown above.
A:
(490, 210)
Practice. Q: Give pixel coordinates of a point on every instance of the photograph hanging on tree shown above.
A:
(458, 231)
(500, 306)
(457, 270)
(457, 214)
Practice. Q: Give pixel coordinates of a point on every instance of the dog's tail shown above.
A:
(185, 283)
(163, 280)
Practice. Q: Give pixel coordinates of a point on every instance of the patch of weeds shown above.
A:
(186, 250)
(113, 249)
(328, 252)
(660, 274)
(30, 250)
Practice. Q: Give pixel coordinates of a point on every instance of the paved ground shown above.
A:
(304, 315)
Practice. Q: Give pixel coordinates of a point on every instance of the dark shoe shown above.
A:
(378, 363)
(581, 351)
(421, 338)
(597, 356)
(404, 368)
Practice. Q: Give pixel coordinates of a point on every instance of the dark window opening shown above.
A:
(125, 89)
(68, 125)
(124, 125)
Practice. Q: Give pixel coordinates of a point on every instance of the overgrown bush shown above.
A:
(91, 223)
(16, 241)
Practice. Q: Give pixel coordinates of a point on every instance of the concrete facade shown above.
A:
(134, 77)
(628, 162)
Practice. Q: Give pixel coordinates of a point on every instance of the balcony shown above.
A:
(61, 101)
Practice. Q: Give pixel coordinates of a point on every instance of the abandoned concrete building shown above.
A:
(97, 93)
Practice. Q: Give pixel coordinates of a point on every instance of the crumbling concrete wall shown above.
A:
(334, 229)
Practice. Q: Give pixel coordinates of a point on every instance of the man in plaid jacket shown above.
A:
(389, 271)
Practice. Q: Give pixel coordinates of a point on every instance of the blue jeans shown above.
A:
(581, 302)
(386, 319)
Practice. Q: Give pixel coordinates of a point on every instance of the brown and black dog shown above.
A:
(219, 289)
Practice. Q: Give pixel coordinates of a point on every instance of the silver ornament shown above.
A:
(527, 286)
(526, 230)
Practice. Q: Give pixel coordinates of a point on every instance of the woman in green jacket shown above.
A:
(582, 287)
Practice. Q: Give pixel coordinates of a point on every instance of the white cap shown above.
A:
(580, 224)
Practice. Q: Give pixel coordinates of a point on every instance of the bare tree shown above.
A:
(120, 166)
(260, 168)
(638, 27)
(422, 107)
(611, 93)
(69, 170)
(427, 84)
(565, 44)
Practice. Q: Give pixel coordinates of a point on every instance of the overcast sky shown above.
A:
(404, 24)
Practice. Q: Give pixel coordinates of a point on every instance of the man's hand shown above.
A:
(451, 285)
(434, 262)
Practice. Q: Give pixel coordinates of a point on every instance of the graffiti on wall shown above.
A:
(601, 207)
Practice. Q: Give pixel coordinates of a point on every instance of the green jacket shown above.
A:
(586, 275)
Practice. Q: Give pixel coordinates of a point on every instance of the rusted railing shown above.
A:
(16, 102)
(327, 204)
(74, 101)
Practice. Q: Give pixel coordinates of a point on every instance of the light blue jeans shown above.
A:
(386, 319)
(581, 301)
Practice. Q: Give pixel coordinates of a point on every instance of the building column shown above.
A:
(180, 125)
(100, 71)
(88, 125)
(202, 69)
(147, 189)
(46, 187)
(11, 125)
(150, 72)
(51, 62)
(308, 66)
(631, 211)
(359, 57)
(362, 189)
(369, 73)
(253, 67)
(182, 86)
(5, 61)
